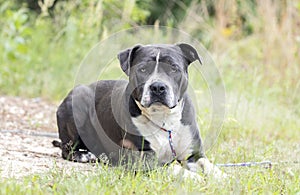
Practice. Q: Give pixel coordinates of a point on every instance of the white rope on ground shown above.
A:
(265, 164)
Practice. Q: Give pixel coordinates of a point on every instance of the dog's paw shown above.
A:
(84, 157)
(179, 172)
(210, 169)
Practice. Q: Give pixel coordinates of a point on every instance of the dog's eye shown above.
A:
(143, 69)
(174, 69)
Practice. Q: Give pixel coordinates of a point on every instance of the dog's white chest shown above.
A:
(150, 127)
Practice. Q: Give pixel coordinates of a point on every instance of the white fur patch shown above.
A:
(157, 59)
(210, 169)
(178, 171)
(168, 119)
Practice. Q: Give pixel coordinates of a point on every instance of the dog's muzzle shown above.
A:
(157, 93)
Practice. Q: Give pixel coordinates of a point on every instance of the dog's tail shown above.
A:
(56, 143)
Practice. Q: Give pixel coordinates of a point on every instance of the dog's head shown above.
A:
(158, 73)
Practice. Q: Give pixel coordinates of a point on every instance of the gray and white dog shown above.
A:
(152, 112)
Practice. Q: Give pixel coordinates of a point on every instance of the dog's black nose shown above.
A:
(158, 88)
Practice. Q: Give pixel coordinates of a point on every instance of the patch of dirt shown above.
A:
(27, 114)
(27, 128)
(25, 153)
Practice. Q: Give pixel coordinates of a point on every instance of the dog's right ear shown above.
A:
(126, 56)
(189, 52)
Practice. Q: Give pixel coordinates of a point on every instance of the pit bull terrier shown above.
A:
(151, 112)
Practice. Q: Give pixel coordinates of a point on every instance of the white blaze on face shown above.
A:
(157, 61)
(156, 77)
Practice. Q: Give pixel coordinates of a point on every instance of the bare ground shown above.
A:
(27, 128)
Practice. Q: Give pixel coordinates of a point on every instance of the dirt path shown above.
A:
(27, 128)
(27, 114)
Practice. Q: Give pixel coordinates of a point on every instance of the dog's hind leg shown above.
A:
(73, 149)
(72, 146)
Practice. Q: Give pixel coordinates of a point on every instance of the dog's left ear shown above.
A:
(189, 52)
(126, 56)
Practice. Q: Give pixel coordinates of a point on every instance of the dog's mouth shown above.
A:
(157, 102)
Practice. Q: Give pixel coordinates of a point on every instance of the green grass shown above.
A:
(281, 179)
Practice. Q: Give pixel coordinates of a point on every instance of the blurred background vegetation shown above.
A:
(43, 40)
(256, 45)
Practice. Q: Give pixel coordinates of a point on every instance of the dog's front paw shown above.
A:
(178, 171)
(210, 169)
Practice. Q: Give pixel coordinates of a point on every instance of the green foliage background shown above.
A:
(42, 42)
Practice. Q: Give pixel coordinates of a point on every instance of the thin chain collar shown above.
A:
(169, 137)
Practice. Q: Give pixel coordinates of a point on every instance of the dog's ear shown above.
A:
(189, 52)
(126, 56)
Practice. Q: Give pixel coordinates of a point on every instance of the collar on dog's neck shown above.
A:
(145, 113)
(169, 137)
